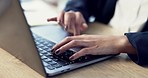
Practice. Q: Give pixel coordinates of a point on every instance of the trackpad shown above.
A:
(53, 33)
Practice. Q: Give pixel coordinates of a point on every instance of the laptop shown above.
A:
(33, 46)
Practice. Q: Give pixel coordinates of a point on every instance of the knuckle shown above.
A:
(68, 38)
(74, 42)
(70, 13)
(86, 51)
(78, 13)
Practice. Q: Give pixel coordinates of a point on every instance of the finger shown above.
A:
(81, 22)
(60, 18)
(70, 38)
(80, 53)
(52, 19)
(77, 29)
(65, 47)
(69, 27)
(74, 43)
(74, 28)
(64, 41)
(78, 22)
(71, 44)
(68, 19)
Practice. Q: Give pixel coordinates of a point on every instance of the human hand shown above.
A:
(94, 45)
(73, 22)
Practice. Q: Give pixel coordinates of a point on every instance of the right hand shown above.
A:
(73, 22)
(94, 45)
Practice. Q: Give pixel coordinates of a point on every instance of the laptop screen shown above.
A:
(15, 35)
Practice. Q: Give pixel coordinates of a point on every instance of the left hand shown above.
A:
(94, 45)
(73, 22)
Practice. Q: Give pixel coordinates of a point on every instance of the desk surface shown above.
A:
(118, 67)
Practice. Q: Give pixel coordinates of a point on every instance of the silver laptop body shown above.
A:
(17, 38)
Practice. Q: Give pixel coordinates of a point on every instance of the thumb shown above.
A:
(52, 19)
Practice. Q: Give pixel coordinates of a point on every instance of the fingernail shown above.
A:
(57, 52)
(72, 58)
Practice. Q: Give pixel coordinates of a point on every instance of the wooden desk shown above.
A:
(119, 67)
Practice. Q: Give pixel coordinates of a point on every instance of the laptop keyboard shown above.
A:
(52, 61)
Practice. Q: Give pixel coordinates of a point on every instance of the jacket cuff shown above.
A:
(139, 41)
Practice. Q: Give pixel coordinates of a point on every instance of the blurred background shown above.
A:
(37, 11)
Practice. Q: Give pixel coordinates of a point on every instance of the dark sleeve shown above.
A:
(78, 5)
(139, 41)
(101, 10)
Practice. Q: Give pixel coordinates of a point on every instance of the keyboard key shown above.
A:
(44, 52)
(45, 64)
(55, 59)
(43, 57)
(46, 42)
(62, 62)
(48, 50)
(50, 45)
(47, 60)
(37, 43)
(48, 54)
(45, 47)
(40, 49)
(52, 62)
(57, 65)
(51, 57)
(50, 67)
(41, 54)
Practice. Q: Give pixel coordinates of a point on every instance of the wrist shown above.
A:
(125, 46)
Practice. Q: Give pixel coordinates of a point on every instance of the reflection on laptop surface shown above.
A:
(35, 50)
